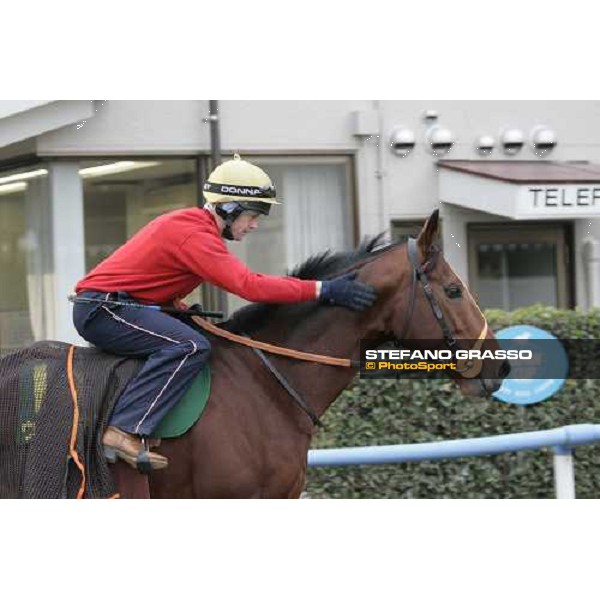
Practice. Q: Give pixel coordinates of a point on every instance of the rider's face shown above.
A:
(245, 223)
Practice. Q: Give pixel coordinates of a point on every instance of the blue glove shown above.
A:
(344, 291)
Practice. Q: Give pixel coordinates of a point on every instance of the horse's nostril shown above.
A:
(504, 369)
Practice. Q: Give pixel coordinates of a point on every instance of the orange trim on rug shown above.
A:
(73, 440)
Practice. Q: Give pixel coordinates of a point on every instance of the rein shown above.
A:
(297, 354)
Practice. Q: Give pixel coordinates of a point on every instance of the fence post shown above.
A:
(564, 472)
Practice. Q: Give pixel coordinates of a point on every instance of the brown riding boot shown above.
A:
(129, 447)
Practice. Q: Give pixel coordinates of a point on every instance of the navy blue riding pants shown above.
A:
(175, 354)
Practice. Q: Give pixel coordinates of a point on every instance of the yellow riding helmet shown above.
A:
(238, 180)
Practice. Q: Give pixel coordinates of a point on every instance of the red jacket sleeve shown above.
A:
(207, 256)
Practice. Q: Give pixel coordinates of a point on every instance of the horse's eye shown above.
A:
(453, 291)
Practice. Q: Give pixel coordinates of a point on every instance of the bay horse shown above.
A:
(252, 440)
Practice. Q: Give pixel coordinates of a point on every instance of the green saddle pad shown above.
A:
(188, 410)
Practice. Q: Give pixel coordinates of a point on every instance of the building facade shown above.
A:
(517, 184)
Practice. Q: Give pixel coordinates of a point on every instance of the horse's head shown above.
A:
(423, 303)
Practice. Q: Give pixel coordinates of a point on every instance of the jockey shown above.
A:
(164, 262)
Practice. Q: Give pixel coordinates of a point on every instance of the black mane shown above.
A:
(320, 266)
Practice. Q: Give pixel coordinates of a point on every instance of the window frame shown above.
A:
(557, 232)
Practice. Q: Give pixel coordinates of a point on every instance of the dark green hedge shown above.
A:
(376, 412)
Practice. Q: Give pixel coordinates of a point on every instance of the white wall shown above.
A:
(411, 182)
(301, 125)
(12, 107)
(387, 186)
(408, 186)
(133, 127)
(129, 126)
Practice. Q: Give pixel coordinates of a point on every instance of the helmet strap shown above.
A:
(229, 217)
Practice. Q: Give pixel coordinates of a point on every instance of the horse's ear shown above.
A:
(430, 232)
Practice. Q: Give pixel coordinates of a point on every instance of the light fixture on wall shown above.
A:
(23, 176)
(543, 140)
(110, 169)
(440, 140)
(430, 116)
(511, 141)
(402, 141)
(12, 188)
(113, 168)
(484, 145)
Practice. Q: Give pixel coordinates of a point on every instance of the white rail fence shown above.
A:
(562, 440)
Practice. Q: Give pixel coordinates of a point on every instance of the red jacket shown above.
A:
(176, 252)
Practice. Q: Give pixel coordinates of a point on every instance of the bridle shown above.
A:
(469, 368)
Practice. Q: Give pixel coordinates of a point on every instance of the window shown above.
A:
(316, 214)
(519, 265)
(316, 211)
(25, 300)
(120, 197)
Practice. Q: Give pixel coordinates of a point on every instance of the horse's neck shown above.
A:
(328, 333)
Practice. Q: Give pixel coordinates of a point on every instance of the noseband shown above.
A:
(468, 368)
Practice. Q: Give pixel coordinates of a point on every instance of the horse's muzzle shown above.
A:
(492, 385)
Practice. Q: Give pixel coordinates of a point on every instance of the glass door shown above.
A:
(513, 266)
